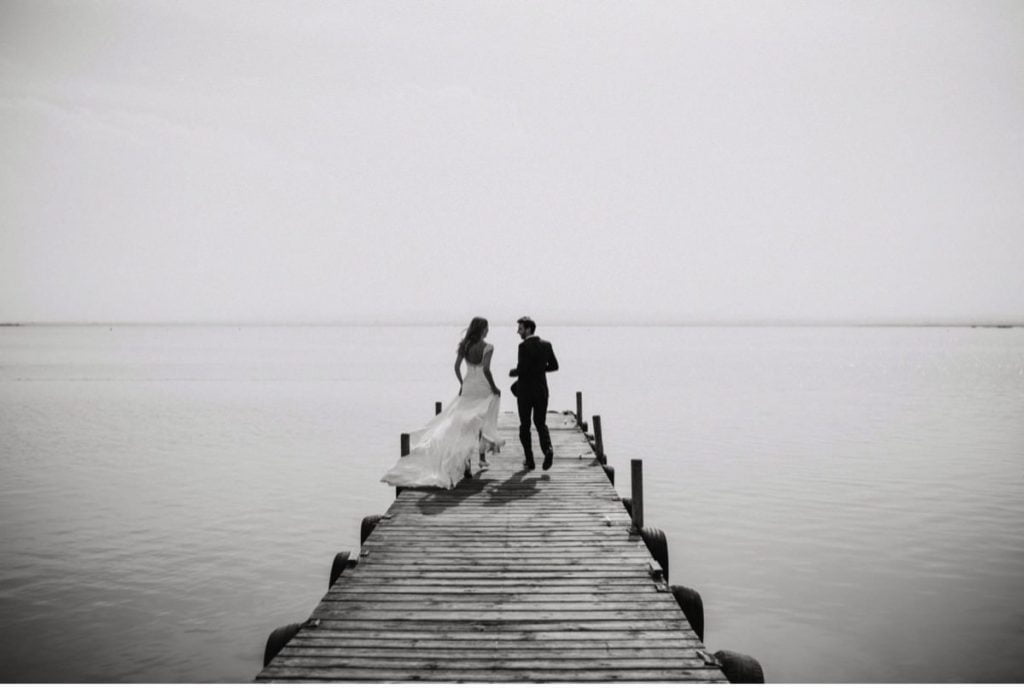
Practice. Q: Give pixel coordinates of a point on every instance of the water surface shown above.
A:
(846, 500)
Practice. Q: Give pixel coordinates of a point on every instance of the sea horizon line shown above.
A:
(551, 323)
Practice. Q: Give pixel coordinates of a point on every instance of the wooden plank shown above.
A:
(492, 582)
(446, 675)
(342, 609)
(525, 603)
(511, 651)
(327, 611)
(510, 565)
(535, 536)
(428, 636)
(613, 549)
(538, 555)
(416, 622)
(541, 529)
(505, 570)
(413, 587)
(581, 541)
(561, 663)
(356, 646)
(511, 561)
(581, 595)
(599, 524)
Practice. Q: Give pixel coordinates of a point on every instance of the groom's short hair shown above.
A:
(527, 321)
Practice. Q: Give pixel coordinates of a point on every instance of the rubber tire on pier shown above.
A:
(610, 472)
(338, 566)
(740, 668)
(654, 538)
(278, 639)
(628, 503)
(689, 600)
(367, 526)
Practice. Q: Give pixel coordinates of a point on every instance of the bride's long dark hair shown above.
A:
(474, 333)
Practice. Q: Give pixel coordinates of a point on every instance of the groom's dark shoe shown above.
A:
(548, 458)
(529, 465)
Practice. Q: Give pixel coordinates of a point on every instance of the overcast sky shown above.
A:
(587, 162)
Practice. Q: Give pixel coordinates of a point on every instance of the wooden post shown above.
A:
(405, 452)
(636, 480)
(437, 408)
(599, 439)
(579, 409)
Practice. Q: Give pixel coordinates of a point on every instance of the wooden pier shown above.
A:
(511, 576)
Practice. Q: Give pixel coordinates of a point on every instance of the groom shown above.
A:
(536, 358)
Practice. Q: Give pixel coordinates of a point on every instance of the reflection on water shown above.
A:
(845, 500)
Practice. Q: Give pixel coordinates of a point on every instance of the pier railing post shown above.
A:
(599, 440)
(405, 452)
(579, 409)
(636, 480)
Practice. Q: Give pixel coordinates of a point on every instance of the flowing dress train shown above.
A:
(440, 451)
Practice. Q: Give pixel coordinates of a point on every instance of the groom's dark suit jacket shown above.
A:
(536, 358)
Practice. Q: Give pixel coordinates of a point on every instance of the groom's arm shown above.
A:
(552, 362)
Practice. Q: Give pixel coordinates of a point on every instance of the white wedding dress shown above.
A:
(439, 452)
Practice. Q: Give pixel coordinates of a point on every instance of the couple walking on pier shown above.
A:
(441, 452)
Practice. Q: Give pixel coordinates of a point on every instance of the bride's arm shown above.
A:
(458, 370)
(487, 370)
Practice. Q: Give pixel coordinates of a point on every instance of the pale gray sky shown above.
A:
(580, 161)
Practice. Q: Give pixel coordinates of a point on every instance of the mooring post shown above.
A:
(599, 440)
(579, 409)
(437, 408)
(405, 452)
(636, 480)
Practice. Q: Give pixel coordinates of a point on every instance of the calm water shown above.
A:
(847, 501)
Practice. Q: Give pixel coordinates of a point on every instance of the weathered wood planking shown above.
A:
(511, 576)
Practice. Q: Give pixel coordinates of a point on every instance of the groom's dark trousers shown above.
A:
(538, 408)
(536, 358)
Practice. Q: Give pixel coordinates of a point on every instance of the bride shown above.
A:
(440, 452)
